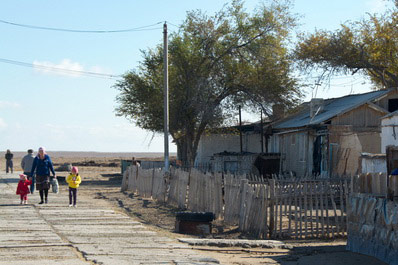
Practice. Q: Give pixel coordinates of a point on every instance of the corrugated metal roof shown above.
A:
(331, 108)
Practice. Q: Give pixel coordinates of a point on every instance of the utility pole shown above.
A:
(262, 131)
(166, 99)
(240, 129)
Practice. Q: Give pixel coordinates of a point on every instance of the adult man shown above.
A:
(26, 164)
(9, 165)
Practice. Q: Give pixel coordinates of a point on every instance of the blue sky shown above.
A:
(72, 112)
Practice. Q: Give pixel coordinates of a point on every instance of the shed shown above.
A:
(327, 137)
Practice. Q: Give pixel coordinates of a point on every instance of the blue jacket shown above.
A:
(42, 166)
(394, 172)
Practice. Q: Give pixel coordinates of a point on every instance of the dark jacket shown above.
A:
(42, 166)
(9, 156)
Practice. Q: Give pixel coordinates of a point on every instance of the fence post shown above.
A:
(125, 180)
(242, 212)
(271, 208)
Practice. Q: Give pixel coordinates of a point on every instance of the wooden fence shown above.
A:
(376, 184)
(276, 208)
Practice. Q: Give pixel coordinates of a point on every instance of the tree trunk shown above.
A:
(186, 150)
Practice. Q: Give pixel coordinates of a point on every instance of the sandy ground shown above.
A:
(102, 179)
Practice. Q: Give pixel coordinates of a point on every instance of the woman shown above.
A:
(42, 164)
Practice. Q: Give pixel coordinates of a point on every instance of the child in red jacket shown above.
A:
(23, 188)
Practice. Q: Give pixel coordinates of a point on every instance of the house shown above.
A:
(236, 149)
(327, 137)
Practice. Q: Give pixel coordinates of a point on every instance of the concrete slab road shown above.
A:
(92, 233)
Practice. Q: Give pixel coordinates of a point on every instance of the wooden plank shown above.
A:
(276, 200)
(242, 211)
(295, 209)
(336, 229)
(322, 209)
(369, 180)
(317, 220)
(280, 209)
(289, 215)
(249, 201)
(266, 204)
(342, 208)
(346, 194)
(301, 209)
(311, 208)
(383, 184)
(327, 196)
(362, 183)
(271, 208)
(305, 210)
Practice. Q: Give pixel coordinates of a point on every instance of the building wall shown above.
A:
(389, 132)
(363, 116)
(371, 163)
(217, 143)
(348, 145)
(351, 134)
(237, 164)
(384, 101)
(296, 150)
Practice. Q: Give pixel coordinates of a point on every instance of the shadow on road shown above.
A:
(325, 255)
(9, 180)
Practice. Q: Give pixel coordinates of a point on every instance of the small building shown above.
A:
(372, 163)
(327, 137)
(227, 140)
(389, 130)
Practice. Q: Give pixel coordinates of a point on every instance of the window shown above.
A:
(230, 166)
(393, 104)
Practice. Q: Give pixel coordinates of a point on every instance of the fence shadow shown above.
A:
(325, 255)
(9, 180)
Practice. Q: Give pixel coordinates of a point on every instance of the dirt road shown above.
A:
(92, 233)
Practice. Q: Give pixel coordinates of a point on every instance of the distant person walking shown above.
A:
(74, 181)
(9, 165)
(42, 164)
(135, 162)
(26, 165)
(23, 188)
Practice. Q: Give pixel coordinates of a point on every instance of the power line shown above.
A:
(168, 22)
(143, 28)
(60, 70)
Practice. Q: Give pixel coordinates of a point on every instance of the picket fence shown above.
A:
(274, 208)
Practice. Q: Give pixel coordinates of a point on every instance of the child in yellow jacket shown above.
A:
(74, 181)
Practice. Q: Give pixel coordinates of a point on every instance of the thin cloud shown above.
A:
(66, 68)
(3, 124)
(100, 70)
(378, 6)
(9, 105)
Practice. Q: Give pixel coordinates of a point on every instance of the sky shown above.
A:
(69, 111)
